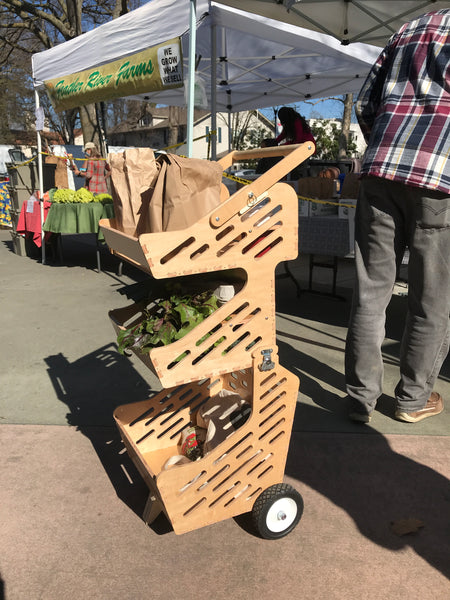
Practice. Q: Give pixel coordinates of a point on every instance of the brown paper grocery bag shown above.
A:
(133, 176)
(119, 192)
(186, 190)
(61, 177)
(151, 216)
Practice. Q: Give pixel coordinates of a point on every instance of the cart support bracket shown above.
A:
(267, 362)
(153, 508)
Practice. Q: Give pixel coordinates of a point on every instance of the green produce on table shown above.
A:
(84, 196)
(103, 198)
(64, 196)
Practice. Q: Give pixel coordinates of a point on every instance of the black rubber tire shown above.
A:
(277, 511)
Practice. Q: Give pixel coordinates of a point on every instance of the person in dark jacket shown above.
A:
(266, 163)
(295, 127)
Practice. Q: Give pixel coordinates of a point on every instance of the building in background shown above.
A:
(356, 135)
(165, 129)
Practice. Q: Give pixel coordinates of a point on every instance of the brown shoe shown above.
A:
(434, 406)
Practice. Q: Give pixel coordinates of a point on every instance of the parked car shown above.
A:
(244, 173)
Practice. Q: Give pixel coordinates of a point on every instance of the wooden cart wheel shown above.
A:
(277, 511)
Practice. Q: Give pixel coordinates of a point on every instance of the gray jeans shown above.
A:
(390, 217)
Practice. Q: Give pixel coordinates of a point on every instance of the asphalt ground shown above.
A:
(71, 499)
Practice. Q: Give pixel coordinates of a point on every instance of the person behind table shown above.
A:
(404, 201)
(295, 131)
(295, 127)
(266, 163)
(95, 170)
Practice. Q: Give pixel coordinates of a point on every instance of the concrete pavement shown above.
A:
(71, 500)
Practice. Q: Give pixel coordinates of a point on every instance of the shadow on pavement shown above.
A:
(357, 471)
(354, 466)
(311, 373)
(92, 387)
(376, 486)
(80, 250)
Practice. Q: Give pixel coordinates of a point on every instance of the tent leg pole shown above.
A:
(41, 179)
(191, 77)
(213, 93)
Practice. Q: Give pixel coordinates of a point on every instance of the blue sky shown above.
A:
(317, 108)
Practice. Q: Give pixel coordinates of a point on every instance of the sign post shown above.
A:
(191, 80)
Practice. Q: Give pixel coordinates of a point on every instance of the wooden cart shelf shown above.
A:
(221, 343)
(255, 228)
(227, 480)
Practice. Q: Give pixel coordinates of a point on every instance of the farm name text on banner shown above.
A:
(156, 68)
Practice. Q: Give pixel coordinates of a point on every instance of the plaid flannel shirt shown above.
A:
(96, 173)
(404, 106)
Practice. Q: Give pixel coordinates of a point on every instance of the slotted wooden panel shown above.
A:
(259, 238)
(217, 240)
(225, 340)
(227, 481)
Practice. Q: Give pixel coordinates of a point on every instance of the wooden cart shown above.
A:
(233, 349)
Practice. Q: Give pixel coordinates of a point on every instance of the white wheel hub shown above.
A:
(281, 515)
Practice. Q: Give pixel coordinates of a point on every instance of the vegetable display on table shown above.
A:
(83, 196)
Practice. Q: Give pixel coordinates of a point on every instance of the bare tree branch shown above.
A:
(24, 10)
(27, 27)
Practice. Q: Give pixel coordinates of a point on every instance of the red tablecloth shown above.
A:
(30, 221)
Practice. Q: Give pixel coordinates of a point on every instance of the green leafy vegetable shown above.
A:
(84, 195)
(103, 198)
(64, 196)
(167, 321)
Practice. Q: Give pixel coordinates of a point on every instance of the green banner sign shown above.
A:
(156, 68)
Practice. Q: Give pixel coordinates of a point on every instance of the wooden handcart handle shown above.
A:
(293, 155)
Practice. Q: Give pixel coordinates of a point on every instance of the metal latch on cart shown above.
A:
(267, 362)
(252, 200)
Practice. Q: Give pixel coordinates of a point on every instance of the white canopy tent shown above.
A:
(245, 60)
(349, 21)
(260, 62)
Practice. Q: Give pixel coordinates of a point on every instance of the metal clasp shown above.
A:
(267, 362)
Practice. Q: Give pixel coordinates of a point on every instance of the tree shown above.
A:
(255, 137)
(240, 122)
(344, 137)
(128, 113)
(29, 27)
(174, 125)
(16, 101)
(340, 146)
(328, 137)
(245, 130)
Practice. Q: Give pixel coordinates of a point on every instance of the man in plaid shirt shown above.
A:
(404, 202)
